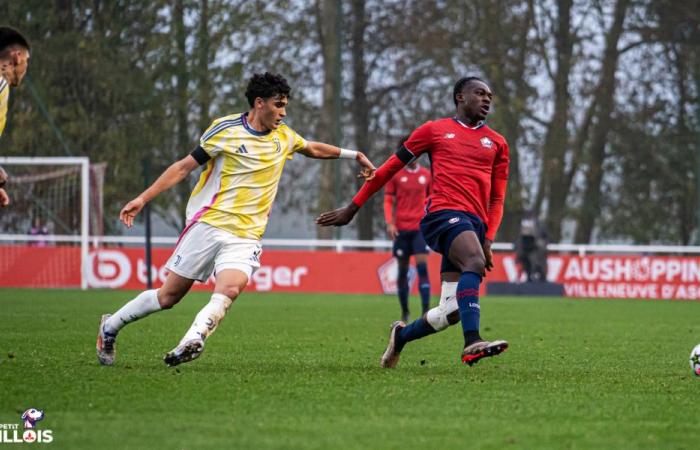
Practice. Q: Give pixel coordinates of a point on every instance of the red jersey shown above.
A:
(469, 169)
(409, 188)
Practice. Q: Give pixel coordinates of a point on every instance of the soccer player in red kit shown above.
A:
(469, 165)
(407, 192)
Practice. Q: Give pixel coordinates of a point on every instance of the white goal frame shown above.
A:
(84, 163)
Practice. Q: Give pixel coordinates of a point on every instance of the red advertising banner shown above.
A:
(619, 276)
(604, 276)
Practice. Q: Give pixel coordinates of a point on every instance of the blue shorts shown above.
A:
(440, 228)
(409, 243)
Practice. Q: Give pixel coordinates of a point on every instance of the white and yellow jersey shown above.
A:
(4, 99)
(236, 189)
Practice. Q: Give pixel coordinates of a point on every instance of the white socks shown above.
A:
(147, 302)
(208, 318)
(144, 304)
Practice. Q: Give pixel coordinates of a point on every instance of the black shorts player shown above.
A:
(409, 243)
(404, 206)
(469, 164)
(440, 228)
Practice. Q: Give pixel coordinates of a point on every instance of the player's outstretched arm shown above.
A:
(338, 217)
(319, 150)
(172, 175)
(343, 216)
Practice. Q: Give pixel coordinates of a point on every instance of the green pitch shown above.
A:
(301, 371)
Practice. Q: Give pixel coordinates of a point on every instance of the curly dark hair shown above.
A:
(9, 37)
(266, 85)
(459, 85)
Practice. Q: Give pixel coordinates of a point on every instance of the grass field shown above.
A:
(301, 371)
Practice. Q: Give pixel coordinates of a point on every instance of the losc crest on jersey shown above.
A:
(486, 142)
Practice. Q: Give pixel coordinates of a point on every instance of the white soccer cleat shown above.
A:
(106, 344)
(185, 352)
(390, 358)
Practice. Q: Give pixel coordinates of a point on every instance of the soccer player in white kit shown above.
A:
(227, 213)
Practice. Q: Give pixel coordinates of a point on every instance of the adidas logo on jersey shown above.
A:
(242, 149)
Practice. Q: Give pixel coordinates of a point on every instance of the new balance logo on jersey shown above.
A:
(486, 142)
(449, 136)
(242, 149)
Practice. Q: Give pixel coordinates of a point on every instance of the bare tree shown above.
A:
(360, 109)
(556, 139)
(328, 17)
(605, 95)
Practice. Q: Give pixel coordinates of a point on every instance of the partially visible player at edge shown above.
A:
(407, 190)
(14, 59)
(469, 163)
(226, 215)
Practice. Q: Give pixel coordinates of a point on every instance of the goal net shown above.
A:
(55, 206)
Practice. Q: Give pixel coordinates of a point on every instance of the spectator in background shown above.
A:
(531, 249)
(38, 229)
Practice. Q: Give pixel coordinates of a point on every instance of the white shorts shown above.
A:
(203, 249)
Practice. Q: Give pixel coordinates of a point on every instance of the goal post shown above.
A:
(26, 176)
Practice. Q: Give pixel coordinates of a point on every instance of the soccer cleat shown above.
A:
(390, 358)
(106, 344)
(482, 349)
(185, 352)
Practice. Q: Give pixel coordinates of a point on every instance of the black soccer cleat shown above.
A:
(482, 349)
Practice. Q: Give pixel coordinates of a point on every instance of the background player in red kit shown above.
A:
(407, 191)
(469, 163)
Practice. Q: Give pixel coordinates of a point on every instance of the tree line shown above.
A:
(597, 98)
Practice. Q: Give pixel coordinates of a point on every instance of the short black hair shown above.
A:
(266, 85)
(459, 85)
(9, 37)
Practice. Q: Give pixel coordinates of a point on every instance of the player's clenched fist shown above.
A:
(130, 210)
